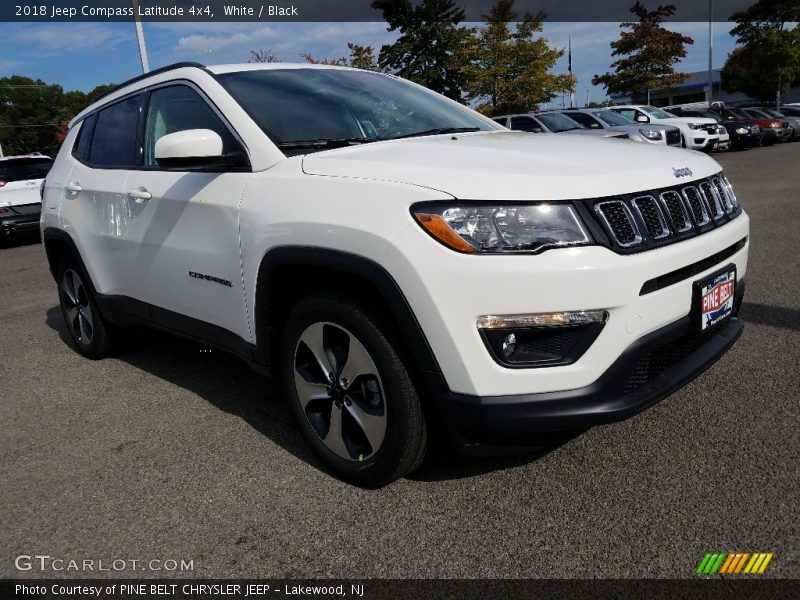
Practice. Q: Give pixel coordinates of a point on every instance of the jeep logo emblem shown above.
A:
(684, 172)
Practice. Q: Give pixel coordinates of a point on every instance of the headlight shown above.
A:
(775, 125)
(742, 130)
(651, 134)
(695, 126)
(502, 228)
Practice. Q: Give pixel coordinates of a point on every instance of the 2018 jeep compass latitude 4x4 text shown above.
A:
(396, 257)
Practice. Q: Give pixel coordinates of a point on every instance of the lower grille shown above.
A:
(660, 360)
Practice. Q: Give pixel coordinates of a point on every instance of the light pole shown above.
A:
(710, 95)
(140, 36)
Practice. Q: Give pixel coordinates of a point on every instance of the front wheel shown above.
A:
(350, 391)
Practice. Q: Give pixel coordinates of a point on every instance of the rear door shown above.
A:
(100, 217)
(185, 253)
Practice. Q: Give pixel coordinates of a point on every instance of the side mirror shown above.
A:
(642, 119)
(194, 149)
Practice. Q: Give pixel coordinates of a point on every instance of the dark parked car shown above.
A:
(772, 129)
(745, 133)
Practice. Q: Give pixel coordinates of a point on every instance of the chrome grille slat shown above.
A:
(652, 217)
(675, 209)
(713, 201)
(696, 206)
(620, 222)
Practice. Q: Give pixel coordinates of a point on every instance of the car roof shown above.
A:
(25, 156)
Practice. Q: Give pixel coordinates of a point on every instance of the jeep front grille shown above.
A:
(638, 222)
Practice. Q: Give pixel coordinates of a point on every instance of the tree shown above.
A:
(648, 54)
(766, 61)
(34, 115)
(362, 57)
(263, 56)
(429, 44)
(509, 71)
(338, 62)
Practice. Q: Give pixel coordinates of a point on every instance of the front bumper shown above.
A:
(746, 140)
(697, 141)
(649, 370)
(16, 220)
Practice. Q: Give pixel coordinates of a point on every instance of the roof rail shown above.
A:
(177, 65)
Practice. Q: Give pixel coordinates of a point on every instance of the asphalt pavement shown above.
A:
(171, 452)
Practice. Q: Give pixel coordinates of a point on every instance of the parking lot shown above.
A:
(173, 452)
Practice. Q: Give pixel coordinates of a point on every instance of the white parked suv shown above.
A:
(698, 133)
(20, 187)
(399, 259)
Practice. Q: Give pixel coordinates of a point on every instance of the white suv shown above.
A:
(697, 133)
(398, 258)
(20, 187)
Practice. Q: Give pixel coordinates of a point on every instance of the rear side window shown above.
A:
(20, 169)
(524, 124)
(114, 140)
(178, 108)
(81, 147)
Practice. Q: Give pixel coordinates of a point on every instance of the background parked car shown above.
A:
(784, 131)
(697, 133)
(650, 133)
(20, 201)
(744, 133)
(790, 110)
(771, 129)
(552, 122)
(794, 121)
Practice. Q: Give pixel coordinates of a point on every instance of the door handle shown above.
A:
(73, 188)
(139, 195)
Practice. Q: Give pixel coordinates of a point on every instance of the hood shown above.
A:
(599, 133)
(509, 165)
(687, 120)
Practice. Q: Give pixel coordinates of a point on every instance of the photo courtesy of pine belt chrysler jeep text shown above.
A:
(399, 259)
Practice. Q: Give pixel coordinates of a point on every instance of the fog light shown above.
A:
(509, 345)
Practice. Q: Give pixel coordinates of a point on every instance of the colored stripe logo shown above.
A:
(734, 563)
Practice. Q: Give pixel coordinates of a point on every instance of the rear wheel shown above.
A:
(86, 328)
(350, 391)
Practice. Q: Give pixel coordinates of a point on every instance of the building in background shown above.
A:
(694, 90)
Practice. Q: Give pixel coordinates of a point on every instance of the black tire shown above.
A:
(88, 332)
(389, 395)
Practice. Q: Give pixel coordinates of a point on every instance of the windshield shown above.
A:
(739, 114)
(612, 118)
(772, 113)
(300, 105)
(758, 114)
(709, 114)
(556, 122)
(19, 169)
(657, 112)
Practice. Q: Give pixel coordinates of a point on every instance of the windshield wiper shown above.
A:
(436, 131)
(323, 143)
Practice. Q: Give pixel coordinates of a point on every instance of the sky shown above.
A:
(80, 56)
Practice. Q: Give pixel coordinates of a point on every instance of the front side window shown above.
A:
(114, 140)
(587, 121)
(179, 108)
(301, 105)
(612, 118)
(557, 123)
(630, 113)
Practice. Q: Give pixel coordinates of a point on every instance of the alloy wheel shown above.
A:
(340, 391)
(77, 309)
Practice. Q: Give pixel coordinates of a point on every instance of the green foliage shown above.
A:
(430, 41)
(766, 63)
(648, 54)
(32, 112)
(507, 70)
(362, 57)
